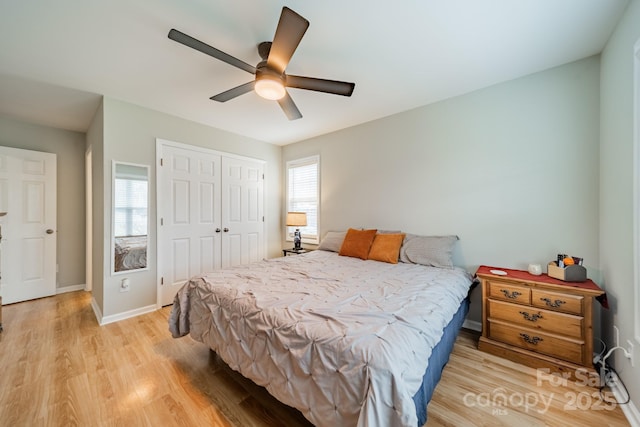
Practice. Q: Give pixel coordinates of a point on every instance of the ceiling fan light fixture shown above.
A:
(270, 80)
(270, 86)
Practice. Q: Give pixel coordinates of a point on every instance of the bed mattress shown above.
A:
(345, 341)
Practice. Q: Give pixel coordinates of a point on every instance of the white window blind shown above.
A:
(303, 195)
(130, 207)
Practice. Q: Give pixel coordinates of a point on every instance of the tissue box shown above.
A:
(569, 273)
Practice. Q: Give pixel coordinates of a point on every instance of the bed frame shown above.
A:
(437, 361)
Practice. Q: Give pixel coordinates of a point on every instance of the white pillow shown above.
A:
(332, 241)
(434, 251)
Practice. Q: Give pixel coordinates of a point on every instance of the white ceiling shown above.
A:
(58, 57)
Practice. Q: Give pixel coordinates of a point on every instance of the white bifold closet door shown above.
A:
(210, 213)
(242, 211)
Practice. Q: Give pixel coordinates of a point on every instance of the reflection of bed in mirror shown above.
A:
(130, 253)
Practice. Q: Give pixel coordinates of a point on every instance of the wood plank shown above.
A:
(60, 368)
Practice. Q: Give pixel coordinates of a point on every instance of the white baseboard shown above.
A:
(96, 310)
(70, 288)
(126, 314)
(629, 409)
(473, 325)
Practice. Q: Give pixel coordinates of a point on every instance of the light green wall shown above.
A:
(130, 134)
(95, 144)
(616, 191)
(511, 169)
(69, 147)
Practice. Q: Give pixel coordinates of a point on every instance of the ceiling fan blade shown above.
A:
(189, 41)
(289, 107)
(233, 93)
(289, 32)
(320, 85)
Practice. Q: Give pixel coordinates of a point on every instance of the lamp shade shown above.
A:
(296, 219)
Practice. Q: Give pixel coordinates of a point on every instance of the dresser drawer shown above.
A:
(566, 349)
(509, 292)
(538, 319)
(556, 301)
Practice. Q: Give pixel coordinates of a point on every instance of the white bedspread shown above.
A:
(343, 340)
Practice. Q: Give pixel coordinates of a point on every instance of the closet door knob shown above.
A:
(225, 229)
(218, 230)
(49, 231)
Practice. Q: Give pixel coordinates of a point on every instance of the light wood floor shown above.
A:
(59, 368)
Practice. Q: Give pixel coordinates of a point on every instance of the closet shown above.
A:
(210, 213)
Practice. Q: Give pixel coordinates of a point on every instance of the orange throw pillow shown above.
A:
(386, 247)
(357, 243)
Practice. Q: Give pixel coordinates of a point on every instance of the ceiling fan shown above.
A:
(270, 78)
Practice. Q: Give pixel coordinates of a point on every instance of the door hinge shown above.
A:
(161, 221)
(262, 219)
(161, 161)
(162, 280)
(263, 176)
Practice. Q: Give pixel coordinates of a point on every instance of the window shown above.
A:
(130, 207)
(303, 195)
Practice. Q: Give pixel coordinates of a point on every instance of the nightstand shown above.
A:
(539, 321)
(286, 252)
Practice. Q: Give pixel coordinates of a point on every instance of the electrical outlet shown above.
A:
(124, 285)
(629, 353)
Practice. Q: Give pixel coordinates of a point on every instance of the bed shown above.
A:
(346, 341)
(130, 253)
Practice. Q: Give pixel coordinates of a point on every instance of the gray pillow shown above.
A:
(332, 241)
(434, 251)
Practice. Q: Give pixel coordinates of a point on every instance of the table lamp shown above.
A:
(296, 219)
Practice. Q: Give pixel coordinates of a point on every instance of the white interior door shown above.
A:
(189, 230)
(242, 211)
(28, 195)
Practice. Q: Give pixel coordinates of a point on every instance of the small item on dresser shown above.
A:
(535, 269)
(560, 260)
(568, 273)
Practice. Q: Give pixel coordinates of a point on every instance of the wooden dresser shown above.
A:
(538, 321)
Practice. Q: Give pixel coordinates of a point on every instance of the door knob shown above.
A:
(49, 231)
(218, 230)
(225, 229)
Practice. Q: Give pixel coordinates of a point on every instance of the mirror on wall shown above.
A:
(130, 227)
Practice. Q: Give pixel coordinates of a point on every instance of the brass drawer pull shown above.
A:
(531, 317)
(531, 340)
(511, 295)
(556, 303)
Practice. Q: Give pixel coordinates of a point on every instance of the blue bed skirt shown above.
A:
(438, 359)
